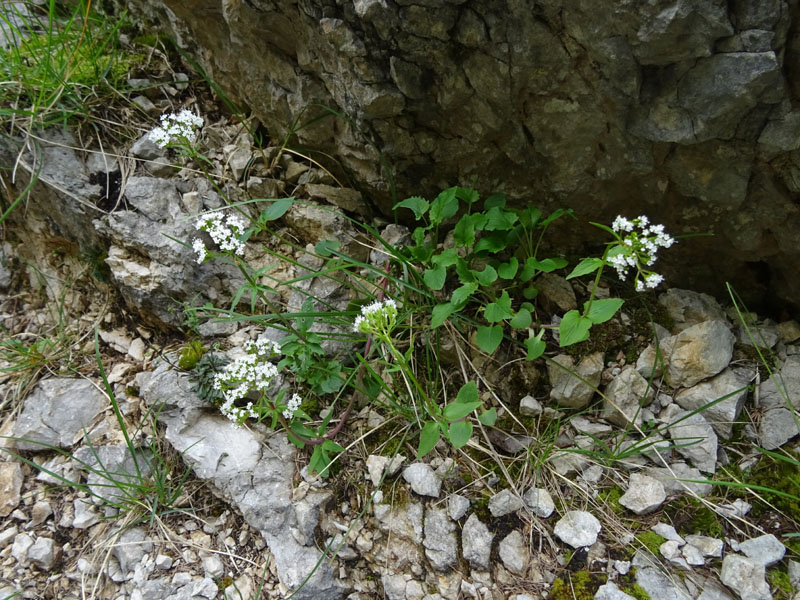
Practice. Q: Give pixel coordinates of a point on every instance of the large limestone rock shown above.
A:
(682, 109)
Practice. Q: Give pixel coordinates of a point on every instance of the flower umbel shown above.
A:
(378, 318)
(178, 128)
(252, 372)
(225, 231)
(637, 249)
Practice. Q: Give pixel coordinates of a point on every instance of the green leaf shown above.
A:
(468, 195)
(522, 319)
(465, 274)
(326, 247)
(499, 219)
(459, 433)
(556, 214)
(464, 232)
(586, 266)
(276, 210)
(462, 294)
(573, 328)
(457, 410)
(530, 292)
(332, 446)
(535, 345)
(467, 393)
(434, 278)
(446, 258)
(444, 207)
(427, 438)
(529, 217)
(486, 277)
(499, 310)
(495, 242)
(488, 417)
(495, 200)
(489, 338)
(509, 269)
(440, 313)
(415, 203)
(602, 310)
(548, 265)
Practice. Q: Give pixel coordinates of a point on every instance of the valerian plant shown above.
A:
(494, 254)
(379, 320)
(629, 249)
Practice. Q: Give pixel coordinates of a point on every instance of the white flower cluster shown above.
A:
(638, 249)
(225, 231)
(291, 407)
(181, 128)
(378, 317)
(250, 372)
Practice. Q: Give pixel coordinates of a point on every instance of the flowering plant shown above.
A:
(226, 232)
(629, 249)
(254, 372)
(177, 130)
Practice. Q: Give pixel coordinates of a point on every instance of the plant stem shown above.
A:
(596, 282)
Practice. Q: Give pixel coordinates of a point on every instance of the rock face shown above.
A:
(683, 110)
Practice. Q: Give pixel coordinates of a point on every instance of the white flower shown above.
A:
(637, 249)
(291, 407)
(378, 317)
(200, 249)
(226, 232)
(177, 128)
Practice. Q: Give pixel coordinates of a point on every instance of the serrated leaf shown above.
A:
(486, 277)
(535, 345)
(434, 278)
(427, 438)
(415, 203)
(444, 207)
(458, 410)
(586, 266)
(460, 432)
(440, 313)
(276, 210)
(488, 417)
(468, 195)
(462, 294)
(464, 232)
(602, 310)
(467, 393)
(489, 338)
(522, 319)
(509, 269)
(573, 328)
(499, 310)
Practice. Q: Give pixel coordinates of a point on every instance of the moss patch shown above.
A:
(651, 540)
(578, 586)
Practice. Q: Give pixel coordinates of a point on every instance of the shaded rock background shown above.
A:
(683, 110)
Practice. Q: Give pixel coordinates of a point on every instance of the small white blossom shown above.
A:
(225, 231)
(291, 407)
(177, 128)
(378, 317)
(637, 249)
(200, 250)
(252, 372)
